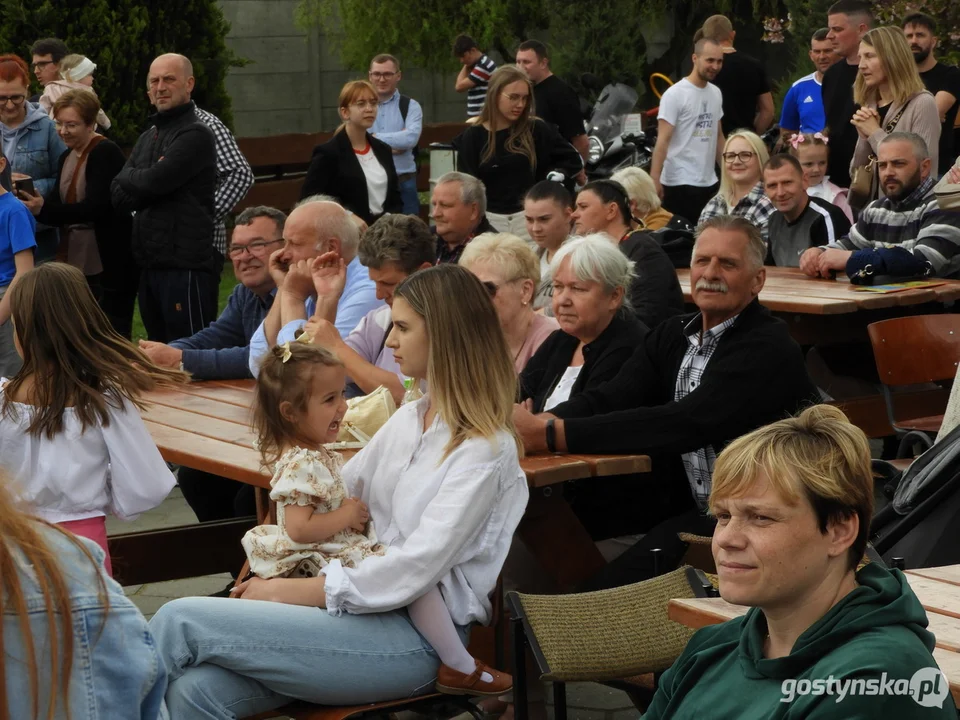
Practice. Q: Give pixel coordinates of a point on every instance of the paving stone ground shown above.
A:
(585, 701)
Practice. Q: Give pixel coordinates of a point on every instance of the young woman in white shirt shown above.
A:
(71, 436)
(445, 490)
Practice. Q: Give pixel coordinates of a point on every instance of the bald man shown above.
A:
(317, 226)
(168, 185)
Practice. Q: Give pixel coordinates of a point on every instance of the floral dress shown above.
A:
(306, 477)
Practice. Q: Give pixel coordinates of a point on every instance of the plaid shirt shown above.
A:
(234, 176)
(699, 463)
(755, 206)
(915, 224)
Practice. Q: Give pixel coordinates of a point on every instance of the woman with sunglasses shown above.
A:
(604, 207)
(354, 167)
(510, 271)
(510, 150)
(741, 182)
(30, 141)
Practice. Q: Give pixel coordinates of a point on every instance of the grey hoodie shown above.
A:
(12, 135)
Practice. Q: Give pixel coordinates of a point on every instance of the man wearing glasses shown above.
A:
(47, 54)
(221, 351)
(399, 124)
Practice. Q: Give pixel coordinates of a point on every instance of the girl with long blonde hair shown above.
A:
(70, 426)
(444, 488)
(72, 646)
(892, 97)
(510, 149)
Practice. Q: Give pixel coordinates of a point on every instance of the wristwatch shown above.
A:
(551, 436)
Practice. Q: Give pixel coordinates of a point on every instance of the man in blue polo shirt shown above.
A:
(399, 124)
(803, 103)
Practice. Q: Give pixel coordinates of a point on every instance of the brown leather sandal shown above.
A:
(452, 682)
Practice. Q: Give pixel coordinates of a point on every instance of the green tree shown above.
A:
(122, 37)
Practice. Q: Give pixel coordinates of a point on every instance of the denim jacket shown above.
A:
(116, 672)
(38, 149)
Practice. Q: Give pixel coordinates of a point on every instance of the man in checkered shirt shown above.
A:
(234, 176)
(696, 383)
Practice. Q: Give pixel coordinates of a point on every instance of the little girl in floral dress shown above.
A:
(300, 405)
(811, 150)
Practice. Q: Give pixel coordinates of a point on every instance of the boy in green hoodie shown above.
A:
(793, 502)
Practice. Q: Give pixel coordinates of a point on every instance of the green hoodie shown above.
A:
(876, 633)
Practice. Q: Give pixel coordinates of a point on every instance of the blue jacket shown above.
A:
(37, 148)
(222, 350)
(116, 672)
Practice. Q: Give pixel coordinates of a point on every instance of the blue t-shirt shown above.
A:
(803, 106)
(17, 233)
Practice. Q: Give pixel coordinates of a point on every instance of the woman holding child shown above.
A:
(444, 491)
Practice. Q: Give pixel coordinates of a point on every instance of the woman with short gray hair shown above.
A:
(598, 331)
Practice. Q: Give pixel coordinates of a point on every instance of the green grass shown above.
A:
(227, 282)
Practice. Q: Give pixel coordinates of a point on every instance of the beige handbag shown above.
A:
(365, 415)
(863, 185)
(948, 193)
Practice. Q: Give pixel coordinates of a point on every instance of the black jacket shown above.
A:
(112, 228)
(602, 359)
(169, 182)
(655, 292)
(335, 171)
(756, 376)
(507, 175)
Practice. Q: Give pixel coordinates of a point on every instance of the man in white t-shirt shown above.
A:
(689, 137)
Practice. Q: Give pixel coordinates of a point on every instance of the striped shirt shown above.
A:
(480, 74)
(755, 206)
(700, 347)
(915, 224)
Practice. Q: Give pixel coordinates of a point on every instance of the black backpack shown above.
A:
(676, 239)
(404, 109)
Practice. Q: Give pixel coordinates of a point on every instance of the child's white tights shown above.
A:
(432, 619)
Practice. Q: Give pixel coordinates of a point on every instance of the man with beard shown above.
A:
(902, 235)
(689, 136)
(942, 80)
(803, 103)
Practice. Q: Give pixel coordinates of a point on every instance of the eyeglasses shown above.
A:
(15, 99)
(515, 99)
(254, 248)
(41, 64)
(745, 156)
(364, 104)
(382, 75)
(69, 127)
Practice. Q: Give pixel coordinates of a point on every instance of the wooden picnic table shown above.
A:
(206, 426)
(938, 590)
(820, 310)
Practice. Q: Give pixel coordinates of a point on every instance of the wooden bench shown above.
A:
(280, 163)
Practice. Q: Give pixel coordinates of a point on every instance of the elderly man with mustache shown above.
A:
(697, 382)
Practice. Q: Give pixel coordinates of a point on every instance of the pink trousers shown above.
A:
(93, 529)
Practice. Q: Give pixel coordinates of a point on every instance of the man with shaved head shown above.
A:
(317, 273)
(168, 185)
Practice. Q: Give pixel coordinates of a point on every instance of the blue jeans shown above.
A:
(408, 194)
(231, 658)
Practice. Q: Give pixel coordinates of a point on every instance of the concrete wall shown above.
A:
(294, 78)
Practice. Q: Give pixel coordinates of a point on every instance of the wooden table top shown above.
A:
(206, 426)
(789, 290)
(938, 590)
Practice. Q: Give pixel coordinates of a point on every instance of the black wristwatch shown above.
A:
(551, 436)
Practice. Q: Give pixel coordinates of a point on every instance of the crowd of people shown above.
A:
(526, 319)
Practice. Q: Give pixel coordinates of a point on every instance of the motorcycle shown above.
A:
(610, 147)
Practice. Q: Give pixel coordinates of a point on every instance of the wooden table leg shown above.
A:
(557, 539)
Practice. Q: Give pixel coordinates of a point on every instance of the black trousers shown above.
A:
(212, 497)
(636, 564)
(177, 303)
(118, 295)
(688, 201)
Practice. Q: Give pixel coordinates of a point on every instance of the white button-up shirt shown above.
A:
(448, 522)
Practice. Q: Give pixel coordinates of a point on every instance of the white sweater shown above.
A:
(77, 475)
